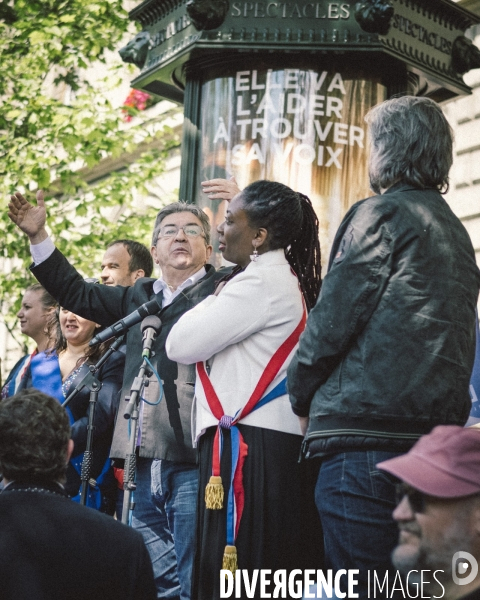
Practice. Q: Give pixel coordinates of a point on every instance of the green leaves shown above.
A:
(38, 37)
(59, 132)
(42, 177)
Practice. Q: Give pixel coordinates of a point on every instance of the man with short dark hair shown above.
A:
(51, 547)
(388, 349)
(438, 514)
(167, 474)
(124, 262)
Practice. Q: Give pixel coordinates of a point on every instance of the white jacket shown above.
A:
(238, 332)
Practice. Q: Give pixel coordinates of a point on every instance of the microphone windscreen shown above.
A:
(152, 321)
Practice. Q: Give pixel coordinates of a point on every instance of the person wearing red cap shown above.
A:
(439, 513)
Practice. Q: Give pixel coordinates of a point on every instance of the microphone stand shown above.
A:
(150, 327)
(92, 383)
(132, 413)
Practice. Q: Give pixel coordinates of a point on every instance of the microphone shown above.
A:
(120, 327)
(151, 327)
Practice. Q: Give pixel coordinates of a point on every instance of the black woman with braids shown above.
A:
(255, 511)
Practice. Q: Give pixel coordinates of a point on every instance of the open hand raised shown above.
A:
(29, 218)
(221, 189)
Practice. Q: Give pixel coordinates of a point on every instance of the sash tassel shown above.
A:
(214, 493)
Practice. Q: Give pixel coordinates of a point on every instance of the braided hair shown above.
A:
(292, 224)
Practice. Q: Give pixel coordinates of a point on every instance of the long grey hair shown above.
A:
(410, 141)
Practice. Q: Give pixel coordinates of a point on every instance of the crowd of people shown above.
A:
(364, 375)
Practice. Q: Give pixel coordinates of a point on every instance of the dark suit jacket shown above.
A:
(54, 549)
(166, 428)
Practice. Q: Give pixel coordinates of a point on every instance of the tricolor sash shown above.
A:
(214, 492)
(14, 380)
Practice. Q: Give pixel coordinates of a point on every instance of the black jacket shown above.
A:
(166, 428)
(110, 375)
(54, 549)
(388, 349)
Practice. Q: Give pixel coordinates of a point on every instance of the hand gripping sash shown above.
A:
(214, 492)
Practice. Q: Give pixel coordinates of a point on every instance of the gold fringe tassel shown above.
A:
(214, 493)
(230, 559)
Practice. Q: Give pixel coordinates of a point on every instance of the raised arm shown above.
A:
(29, 218)
(99, 303)
(221, 189)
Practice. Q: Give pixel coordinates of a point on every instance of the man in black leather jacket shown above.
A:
(388, 349)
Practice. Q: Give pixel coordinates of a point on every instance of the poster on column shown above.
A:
(303, 128)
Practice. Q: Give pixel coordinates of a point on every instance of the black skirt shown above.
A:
(280, 527)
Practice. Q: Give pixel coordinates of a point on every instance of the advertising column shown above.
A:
(299, 126)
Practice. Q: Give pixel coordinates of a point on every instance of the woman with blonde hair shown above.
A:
(35, 313)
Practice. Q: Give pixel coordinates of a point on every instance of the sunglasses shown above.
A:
(415, 498)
